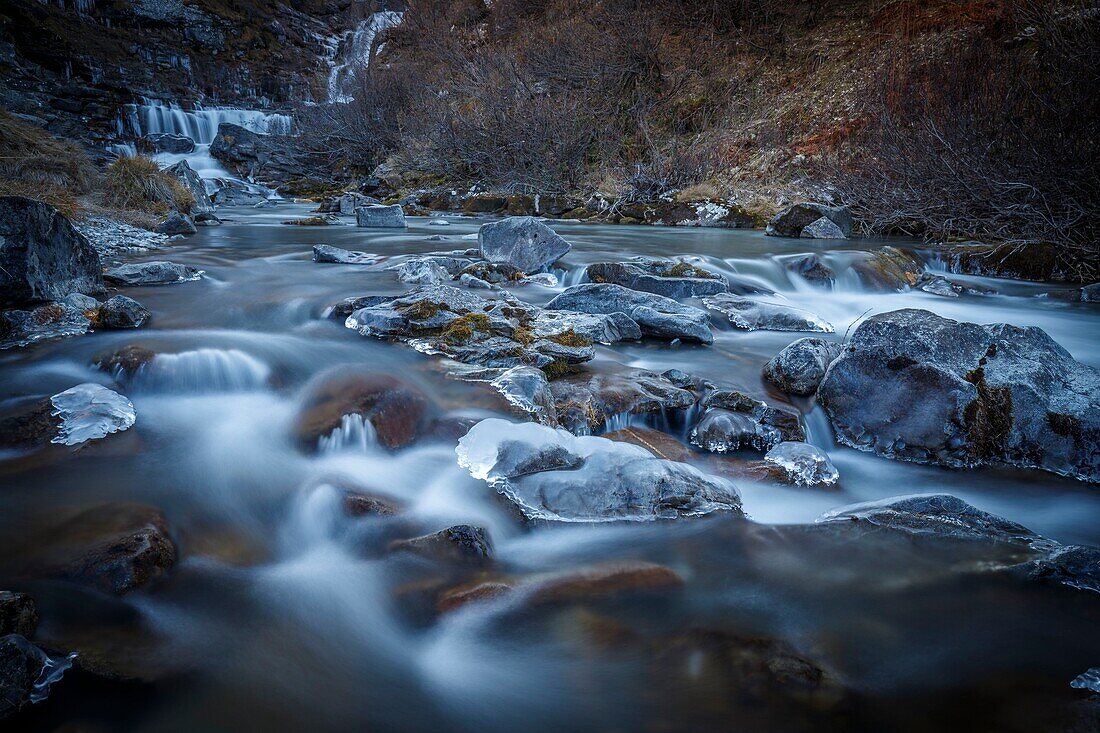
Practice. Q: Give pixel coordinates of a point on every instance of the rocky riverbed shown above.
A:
(513, 472)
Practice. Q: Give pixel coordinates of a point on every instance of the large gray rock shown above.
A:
(177, 223)
(915, 386)
(335, 255)
(656, 315)
(552, 475)
(664, 277)
(190, 180)
(823, 228)
(794, 219)
(160, 272)
(762, 315)
(378, 216)
(122, 312)
(42, 256)
(521, 241)
(166, 142)
(799, 368)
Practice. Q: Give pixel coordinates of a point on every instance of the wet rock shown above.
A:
(359, 504)
(587, 403)
(659, 444)
(377, 216)
(453, 264)
(823, 228)
(813, 270)
(125, 362)
(760, 315)
(523, 242)
(1072, 566)
(177, 223)
(941, 286)
(455, 598)
(18, 614)
(794, 219)
(804, 464)
(528, 389)
(656, 315)
(310, 221)
(122, 312)
(151, 273)
(166, 142)
(21, 666)
(335, 255)
(422, 271)
(29, 426)
(494, 273)
(600, 581)
(82, 303)
(190, 180)
(799, 368)
(1040, 262)
(346, 203)
(44, 322)
(597, 328)
(552, 475)
(889, 269)
(42, 257)
(115, 548)
(669, 278)
(915, 386)
(462, 543)
(474, 283)
(732, 421)
(932, 515)
(347, 306)
(396, 410)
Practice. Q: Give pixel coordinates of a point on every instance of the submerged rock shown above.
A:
(151, 273)
(551, 474)
(656, 315)
(669, 278)
(42, 257)
(523, 242)
(596, 581)
(395, 410)
(462, 543)
(754, 314)
(804, 464)
(90, 411)
(794, 219)
(328, 253)
(121, 312)
(378, 216)
(915, 386)
(799, 368)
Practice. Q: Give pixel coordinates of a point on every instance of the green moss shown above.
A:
(556, 368)
(683, 269)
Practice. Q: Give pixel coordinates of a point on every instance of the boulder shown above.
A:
(21, 666)
(122, 312)
(42, 256)
(334, 255)
(733, 421)
(396, 410)
(656, 315)
(421, 271)
(1072, 566)
(378, 216)
(764, 315)
(18, 614)
(663, 277)
(49, 321)
(166, 142)
(528, 389)
(462, 543)
(813, 270)
(553, 475)
(791, 221)
(822, 228)
(889, 269)
(915, 386)
(523, 242)
(590, 402)
(799, 368)
(804, 464)
(151, 273)
(177, 223)
(190, 180)
(597, 328)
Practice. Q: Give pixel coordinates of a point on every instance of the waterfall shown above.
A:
(355, 433)
(355, 53)
(202, 371)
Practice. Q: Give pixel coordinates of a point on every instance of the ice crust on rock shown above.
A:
(91, 411)
(805, 464)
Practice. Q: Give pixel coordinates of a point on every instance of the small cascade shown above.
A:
(202, 370)
(355, 434)
(355, 53)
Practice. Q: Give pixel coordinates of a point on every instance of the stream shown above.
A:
(282, 612)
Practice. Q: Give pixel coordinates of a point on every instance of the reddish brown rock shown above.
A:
(394, 408)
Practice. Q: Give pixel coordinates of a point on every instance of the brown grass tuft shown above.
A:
(139, 183)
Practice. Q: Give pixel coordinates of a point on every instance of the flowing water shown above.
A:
(283, 612)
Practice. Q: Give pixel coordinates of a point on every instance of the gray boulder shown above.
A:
(521, 241)
(44, 322)
(166, 142)
(761, 315)
(122, 312)
(160, 272)
(813, 270)
(791, 221)
(799, 368)
(190, 180)
(334, 255)
(823, 228)
(914, 386)
(663, 277)
(421, 271)
(42, 256)
(598, 328)
(656, 315)
(378, 216)
(177, 223)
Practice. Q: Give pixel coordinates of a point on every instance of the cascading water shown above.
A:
(355, 53)
(202, 370)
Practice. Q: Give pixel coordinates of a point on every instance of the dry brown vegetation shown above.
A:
(37, 165)
(138, 183)
(947, 118)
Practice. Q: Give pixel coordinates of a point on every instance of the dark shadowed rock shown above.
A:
(462, 543)
(21, 665)
(523, 242)
(126, 361)
(30, 425)
(659, 444)
(589, 402)
(799, 368)
(396, 410)
(42, 256)
(813, 270)
(794, 219)
(166, 142)
(177, 223)
(190, 180)
(151, 273)
(383, 217)
(1072, 566)
(18, 614)
(669, 278)
(122, 312)
(598, 581)
(762, 315)
(915, 386)
(360, 504)
(656, 315)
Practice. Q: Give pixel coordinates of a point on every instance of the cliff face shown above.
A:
(72, 63)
